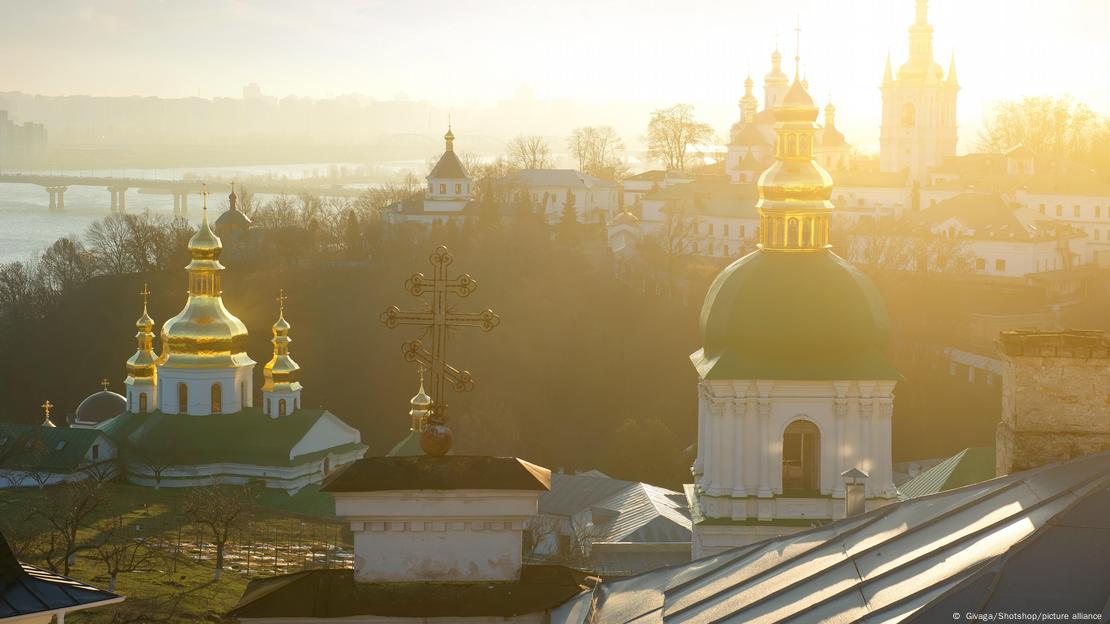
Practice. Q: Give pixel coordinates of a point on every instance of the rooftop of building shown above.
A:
(978, 549)
(59, 449)
(986, 216)
(27, 591)
(561, 178)
(712, 195)
(247, 437)
(449, 472)
(623, 511)
(335, 594)
(971, 465)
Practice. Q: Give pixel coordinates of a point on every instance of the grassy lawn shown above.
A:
(282, 534)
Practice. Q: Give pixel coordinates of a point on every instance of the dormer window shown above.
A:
(60, 445)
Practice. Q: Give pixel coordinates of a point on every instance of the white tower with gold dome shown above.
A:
(204, 368)
(919, 106)
(795, 387)
(281, 391)
(142, 369)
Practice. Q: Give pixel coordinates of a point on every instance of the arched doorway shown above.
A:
(801, 457)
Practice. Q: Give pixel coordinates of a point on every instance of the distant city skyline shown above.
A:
(475, 54)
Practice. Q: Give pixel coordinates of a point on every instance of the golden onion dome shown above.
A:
(204, 334)
(142, 363)
(421, 398)
(281, 373)
(794, 192)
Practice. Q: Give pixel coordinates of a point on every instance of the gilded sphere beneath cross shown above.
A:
(436, 439)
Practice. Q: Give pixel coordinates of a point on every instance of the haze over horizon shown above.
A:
(455, 55)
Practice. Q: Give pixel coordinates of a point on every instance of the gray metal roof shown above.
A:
(26, 590)
(894, 563)
(639, 512)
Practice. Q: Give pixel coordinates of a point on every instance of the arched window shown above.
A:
(281, 407)
(142, 402)
(327, 466)
(269, 411)
(792, 233)
(182, 399)
(909, 115)
(801, 457)
(217, 398)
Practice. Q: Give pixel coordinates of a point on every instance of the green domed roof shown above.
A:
(785, 315)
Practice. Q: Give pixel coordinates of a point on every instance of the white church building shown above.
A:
(795, 388)
(189, 418)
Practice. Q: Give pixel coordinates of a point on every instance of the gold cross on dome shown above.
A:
(438, 318)
(46, 408)
(104, 383)
(281, 299)
(145, 292)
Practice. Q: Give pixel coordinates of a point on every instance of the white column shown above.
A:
(718, 477)
(738, 407)
(840, 417)
(765, 447)
(867, 423)
(728, 455)
(886, 460)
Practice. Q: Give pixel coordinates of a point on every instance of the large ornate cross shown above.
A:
(438, 318)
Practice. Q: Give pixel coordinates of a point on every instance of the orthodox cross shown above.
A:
(438, 318)
(104, 383)
(281, 300)
(46, 408)
(145, 292)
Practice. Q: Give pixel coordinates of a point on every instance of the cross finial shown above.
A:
(797, 43)
(46, 408)
(145, 292)
(104, 383)
(281, 300)
(204, 193)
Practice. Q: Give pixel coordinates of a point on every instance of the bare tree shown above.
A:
(222, 509)
(671, 133)
(529, 152)
(540, 530)
(595, 149)
(110, 242)
(1046, 125)
(66, 264)
(67, 510)
(120, 552)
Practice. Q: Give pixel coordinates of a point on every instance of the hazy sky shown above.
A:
(460, 51)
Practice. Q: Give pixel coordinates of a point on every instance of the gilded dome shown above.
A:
(204, 334)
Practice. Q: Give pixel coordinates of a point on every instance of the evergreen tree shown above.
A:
(568, 225)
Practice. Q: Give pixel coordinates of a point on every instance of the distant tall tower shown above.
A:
(919, 106)
(775, 83)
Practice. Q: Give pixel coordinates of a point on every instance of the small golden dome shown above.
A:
(421, 398)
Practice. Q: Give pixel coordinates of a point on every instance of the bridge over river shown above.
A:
(56, 185)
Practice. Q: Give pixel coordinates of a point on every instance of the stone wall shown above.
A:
(1055, 397)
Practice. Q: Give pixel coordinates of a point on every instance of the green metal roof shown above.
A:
(246, 437)
(971, 465)
(407, 447)
(49, 448)
(793, 315)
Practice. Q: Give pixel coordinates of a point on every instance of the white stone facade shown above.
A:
(235, 389)
(423, 535)
(738, 473)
